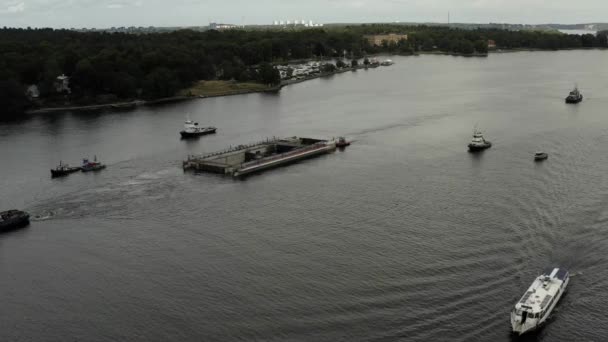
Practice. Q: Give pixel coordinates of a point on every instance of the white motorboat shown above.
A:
(192, 129)
(538, 302)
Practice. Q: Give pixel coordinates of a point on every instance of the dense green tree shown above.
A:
(481, 46)
(340, 64)
(161, 82)
(354, 63)
(120, 65)
(269, 74)
(12, 98)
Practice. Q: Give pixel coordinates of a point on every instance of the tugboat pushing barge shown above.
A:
(64, 170)
(252, 158)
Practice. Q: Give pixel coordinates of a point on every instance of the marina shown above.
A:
(247, 159)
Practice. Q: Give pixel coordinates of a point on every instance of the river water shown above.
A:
(404, 236)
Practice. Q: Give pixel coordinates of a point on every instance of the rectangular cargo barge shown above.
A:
(246, 159)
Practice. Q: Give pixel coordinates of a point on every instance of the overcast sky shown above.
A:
(107, 13)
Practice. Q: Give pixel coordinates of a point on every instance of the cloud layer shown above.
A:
(106, 13)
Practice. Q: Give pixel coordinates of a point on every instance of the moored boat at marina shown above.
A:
(13, 219)
(64, 170)
(192, 129)
(478, 143)
(538, 302)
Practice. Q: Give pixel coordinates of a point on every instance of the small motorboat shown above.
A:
(342, 142)
(13, 219)
(534, 308)
(575, 96)
(64, 170)
(94, 165)
(539, 156)
(478, 143)
(192, 129)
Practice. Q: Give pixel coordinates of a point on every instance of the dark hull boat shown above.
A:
(478, 147)
(63, 170)
(13, 219)
(342, 142)
(575, 96)
(478, 143)
(193, 130)
(540, 156)
(186, 135)
(576, 99)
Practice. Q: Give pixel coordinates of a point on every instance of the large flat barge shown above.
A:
(246, 159)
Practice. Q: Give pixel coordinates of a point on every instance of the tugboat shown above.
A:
(64, 170)
(342, 142)
(536, 305)
(13, 219)
(91, 165)
(191, 130)
(540, 156)
(478, 143)
(575, 96)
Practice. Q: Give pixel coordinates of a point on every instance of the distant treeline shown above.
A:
(106, 67)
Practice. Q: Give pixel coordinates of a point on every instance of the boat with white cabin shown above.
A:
(478, 143)
(192, 129)
(534, 308)
(575, 96)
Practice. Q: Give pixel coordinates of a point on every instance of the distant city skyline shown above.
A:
(108, 13)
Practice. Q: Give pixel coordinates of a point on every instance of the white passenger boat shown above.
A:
(192, 129)
(536, 305)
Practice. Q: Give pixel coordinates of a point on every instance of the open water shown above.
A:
(404, 236)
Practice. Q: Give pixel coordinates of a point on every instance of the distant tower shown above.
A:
(448, 18)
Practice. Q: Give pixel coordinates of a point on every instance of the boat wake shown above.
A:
(43, 216)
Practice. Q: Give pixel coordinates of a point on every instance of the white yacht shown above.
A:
(192, 129)
(478, 143)
(536, 305)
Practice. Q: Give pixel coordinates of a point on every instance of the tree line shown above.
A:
(106, 67)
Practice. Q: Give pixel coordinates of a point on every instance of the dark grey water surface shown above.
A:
(402, 237)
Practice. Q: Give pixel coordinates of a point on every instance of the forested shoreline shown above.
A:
(105, 67)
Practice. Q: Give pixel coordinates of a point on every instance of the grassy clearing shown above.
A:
(218, 88)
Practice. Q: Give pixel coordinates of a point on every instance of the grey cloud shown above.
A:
(104, 13)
